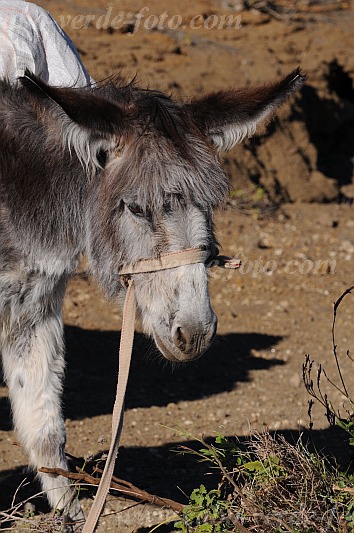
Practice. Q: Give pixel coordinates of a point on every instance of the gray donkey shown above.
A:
(120, 174)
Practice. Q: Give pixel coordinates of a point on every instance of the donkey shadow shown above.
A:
(93, 360)
(165, 473)
(92, 367)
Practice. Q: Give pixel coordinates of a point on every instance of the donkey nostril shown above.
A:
(179, 339)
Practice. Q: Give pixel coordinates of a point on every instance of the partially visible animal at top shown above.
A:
(30, 39)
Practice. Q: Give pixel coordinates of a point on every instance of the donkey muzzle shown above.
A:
(186, 342)
(191, 342)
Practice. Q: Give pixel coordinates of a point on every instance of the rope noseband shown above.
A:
(165, 261)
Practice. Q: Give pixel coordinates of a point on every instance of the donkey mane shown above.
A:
(164, 132)
(170, 118)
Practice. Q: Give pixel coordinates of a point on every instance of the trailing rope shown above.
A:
(165, 261)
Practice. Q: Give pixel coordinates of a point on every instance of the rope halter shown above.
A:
(163, 262)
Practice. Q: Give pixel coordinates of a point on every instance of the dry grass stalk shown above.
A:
(125, 488)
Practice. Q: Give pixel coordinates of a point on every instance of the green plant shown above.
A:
(205, 513)
(253, 201)
(268, 485)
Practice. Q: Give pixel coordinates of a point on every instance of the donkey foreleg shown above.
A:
(34, 365)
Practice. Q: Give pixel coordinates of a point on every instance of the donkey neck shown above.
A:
(43, 187)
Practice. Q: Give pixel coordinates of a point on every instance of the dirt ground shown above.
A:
(290, 207)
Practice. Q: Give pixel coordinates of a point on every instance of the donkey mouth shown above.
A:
(176, 355)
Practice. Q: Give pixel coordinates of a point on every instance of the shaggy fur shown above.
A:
(120, 174)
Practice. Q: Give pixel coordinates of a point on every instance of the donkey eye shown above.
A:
(136, 210)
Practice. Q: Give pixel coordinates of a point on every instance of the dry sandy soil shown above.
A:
(291, 202)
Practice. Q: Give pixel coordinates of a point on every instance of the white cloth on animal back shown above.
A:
(31, 39)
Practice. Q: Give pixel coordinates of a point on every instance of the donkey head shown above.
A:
(154, 178)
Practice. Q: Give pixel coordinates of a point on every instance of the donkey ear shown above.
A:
(226, 117)
(82, 106)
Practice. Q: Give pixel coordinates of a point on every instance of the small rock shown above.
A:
(234, 5)
(127, 28)
(295, 380)
(321, 188)
(303, 424)
(347, 247)
(177, 50)
(348, 190)
(265, 242)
